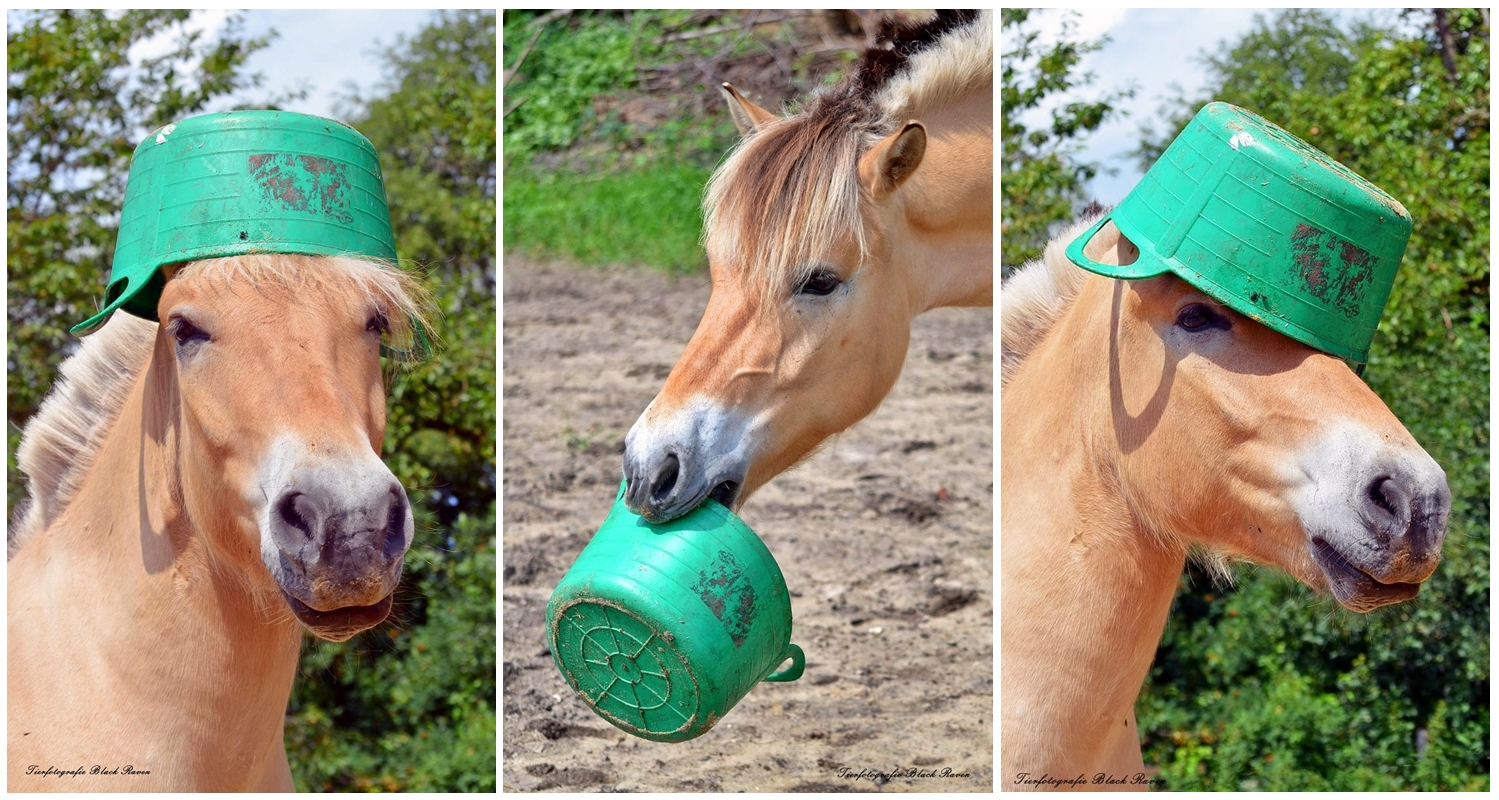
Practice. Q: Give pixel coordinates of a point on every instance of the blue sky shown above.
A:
(327, 51)
(1151, 49)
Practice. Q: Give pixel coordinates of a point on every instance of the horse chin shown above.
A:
(1353, 588)
(339, 624)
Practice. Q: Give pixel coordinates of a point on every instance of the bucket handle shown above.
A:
(791, 673)
(1146, 265)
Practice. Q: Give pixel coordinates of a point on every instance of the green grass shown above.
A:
(649, 216)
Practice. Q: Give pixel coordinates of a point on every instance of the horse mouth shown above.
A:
(726, 493)
(1354, 588)
(339, 624)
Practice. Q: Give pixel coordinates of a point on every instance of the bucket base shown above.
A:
(628, 672)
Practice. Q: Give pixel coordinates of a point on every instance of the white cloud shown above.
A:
(1149, 49)
(1095, 22)
(1091, 23)
(208, 23)
(327, 51)
(1156, 51)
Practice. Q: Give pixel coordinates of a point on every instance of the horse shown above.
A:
(198, 492)
(1142, 418)
(826, 232)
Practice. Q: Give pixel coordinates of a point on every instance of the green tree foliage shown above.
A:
(1042, 182)
(601, 167)
(76, 110)
(409, 705)
(566, 73)
(1262, 687)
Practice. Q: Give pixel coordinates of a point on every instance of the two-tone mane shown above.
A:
(1034, 297)
(59, 441)
(797, 173)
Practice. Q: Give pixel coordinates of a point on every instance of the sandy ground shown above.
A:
(885, 538)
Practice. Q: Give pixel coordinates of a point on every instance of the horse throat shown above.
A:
(948, 206)
(186, 664)
(1085, 587)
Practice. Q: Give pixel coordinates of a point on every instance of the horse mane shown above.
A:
(60, 441)
(1034, 297)
(790, 188)
(1030, 303)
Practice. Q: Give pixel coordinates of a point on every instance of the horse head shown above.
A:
(806, 328)
(1226, 433)
(268, 374)
(826, 232)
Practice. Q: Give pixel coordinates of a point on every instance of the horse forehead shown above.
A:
(268, 301)
(738, 300)
(1163, 289)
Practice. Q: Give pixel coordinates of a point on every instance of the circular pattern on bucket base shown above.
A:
(627, 671)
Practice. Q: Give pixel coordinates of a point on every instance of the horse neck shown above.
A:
(1085, 587)
(948, 205)
(127, 574)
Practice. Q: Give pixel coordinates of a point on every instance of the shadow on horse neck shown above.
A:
(827, 231)
(1141, 418)
(199, 491)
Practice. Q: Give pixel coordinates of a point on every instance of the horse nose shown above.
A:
(1408, 507)
(652, 484)
(342, 527)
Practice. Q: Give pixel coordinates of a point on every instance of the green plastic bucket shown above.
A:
(1267, 225)
(663, 628)
(243, 182)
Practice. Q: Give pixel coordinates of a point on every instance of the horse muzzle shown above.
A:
(672, 463)
(338, 535)
(1376, 531)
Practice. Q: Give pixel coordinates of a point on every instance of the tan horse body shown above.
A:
(1141, 418)
(827, 232)
(226, 490)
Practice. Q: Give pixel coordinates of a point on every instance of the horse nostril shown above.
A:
(666, 479)
(1392, 501)
(395, 526)
(287, 509)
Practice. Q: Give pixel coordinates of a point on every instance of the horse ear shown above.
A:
(747, 116)
(890, 162)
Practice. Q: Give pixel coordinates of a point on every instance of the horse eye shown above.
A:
(1197, 317)
(378, 323)
(187, 333)
(820, 283)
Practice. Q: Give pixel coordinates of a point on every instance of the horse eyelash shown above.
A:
(821, 269)
(180, 327)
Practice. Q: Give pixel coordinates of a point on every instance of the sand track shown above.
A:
(885, 537)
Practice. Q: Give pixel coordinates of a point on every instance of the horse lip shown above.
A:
(726, 492)
(1354, 588)
(340, 624)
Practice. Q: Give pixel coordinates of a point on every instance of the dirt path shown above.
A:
(885, 538)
